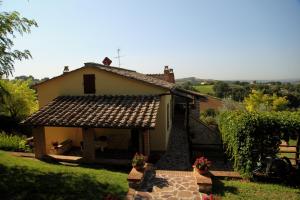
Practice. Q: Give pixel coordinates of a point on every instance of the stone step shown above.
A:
(204, 182)
(173, 173)
(225, 174)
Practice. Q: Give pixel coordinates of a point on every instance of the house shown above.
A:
(105, 109)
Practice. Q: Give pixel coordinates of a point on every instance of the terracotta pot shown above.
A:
(201, 171)
(139, 168)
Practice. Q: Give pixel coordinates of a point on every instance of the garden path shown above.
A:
(167, 185)
(168, 181)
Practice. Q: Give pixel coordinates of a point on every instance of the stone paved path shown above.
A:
(177, 156)
(167, 185)
(161, 183)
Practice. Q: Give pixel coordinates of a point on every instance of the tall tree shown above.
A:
(10, 24)
(221, 89)
(21, 100)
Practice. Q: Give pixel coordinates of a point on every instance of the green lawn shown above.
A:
(251, 190)
(26, 178)
(205, 89)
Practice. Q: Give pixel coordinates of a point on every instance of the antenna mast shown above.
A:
(119, 57)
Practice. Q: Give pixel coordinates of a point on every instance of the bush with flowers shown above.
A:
(138, 161)
(202, 164)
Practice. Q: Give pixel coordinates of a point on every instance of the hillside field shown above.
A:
(205, 89)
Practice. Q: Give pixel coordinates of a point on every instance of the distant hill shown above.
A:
(193, 80)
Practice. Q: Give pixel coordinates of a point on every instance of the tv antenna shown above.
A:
(118, 56)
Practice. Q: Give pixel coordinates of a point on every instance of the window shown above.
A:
(89, 83)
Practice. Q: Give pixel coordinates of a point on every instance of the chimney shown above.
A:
(169, 75)
(106, 61)
(66, 69)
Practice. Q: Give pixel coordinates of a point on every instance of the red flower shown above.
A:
(202, 163)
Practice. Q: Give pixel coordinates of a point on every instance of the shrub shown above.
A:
(209, 117)
(138, 160)
(210, 112)
(209, 120)
(13, 143)
(243, 132)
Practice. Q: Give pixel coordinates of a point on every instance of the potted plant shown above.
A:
(201, 165)
(138, 161)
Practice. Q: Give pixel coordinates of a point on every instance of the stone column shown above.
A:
(39, 141)
(88, 135)
(146, 137)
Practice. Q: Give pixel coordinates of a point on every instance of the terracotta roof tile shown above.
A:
(134, 75)
(146, 78)
(98, 112)
(158, 76)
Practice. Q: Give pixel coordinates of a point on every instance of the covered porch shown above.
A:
(95, 128)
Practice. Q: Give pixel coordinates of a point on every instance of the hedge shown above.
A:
(10, 142)
(242, 132)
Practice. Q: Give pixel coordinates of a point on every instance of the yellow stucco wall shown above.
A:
(117, 138)
(60, 134)
(106, 84)
(160, 135)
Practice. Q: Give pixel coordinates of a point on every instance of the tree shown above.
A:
(33, 80)
(258, 101)
(10, 24)
(239, 93)
(187, 86)
(2, 93)
(221, 89)
(20, 101)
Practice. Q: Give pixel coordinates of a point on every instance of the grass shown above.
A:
(251, 190)
(205, 89)
(26, 178)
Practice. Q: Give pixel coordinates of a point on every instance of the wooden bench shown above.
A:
(204, 182)
(62, 147)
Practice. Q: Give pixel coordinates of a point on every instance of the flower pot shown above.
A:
(201, 171)
(139, 168)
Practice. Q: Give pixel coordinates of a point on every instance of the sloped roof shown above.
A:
(98, 112)
(158, 76)
(123, 72)
(134, 75)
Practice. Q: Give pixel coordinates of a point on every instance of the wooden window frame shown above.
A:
(89, 83)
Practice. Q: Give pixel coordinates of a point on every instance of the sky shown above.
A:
(217, 39)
